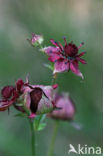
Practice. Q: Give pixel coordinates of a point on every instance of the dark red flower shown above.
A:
(65, 57)
(7, 92)
(10, 94)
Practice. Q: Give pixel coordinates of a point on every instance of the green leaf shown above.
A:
(41, 126)
(38, 122)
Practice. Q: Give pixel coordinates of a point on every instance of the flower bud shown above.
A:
(36, 40)
(38, 99)
(66, 107)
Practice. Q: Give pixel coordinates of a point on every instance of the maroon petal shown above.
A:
(7, 92)
(81, 45)
(81, 60)
(81, 54)
(6, 104)
(36, 96)
(74, 68)
(3, 106)
(19, 85)
(65, 41)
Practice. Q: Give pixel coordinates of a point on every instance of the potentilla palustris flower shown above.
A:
(31, 99)
(65, 57)
(10, 94)
(66, 107)
(36, 40)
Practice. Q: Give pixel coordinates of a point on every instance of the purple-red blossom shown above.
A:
(10, 94)
(7, 92)
(34, 99)
(36, 40)
(65, 57)
(66, 105)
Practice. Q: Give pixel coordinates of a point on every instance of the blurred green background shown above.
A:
(78, 20)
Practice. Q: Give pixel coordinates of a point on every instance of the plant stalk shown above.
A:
(32, 137)
(52, 144)
(54, 79)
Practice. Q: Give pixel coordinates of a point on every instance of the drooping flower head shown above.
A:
(66, 107)
(30, 99)
(65, 57)
(10, 94)
(36, 40)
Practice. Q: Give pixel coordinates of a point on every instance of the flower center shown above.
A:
(70, 50)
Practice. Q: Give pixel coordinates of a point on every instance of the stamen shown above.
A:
(66, 62)
(81, 45)
(55, 61)
(27, 79)
(65, 41)
(70, 58)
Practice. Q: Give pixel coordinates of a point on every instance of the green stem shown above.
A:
(54, 79)
(55, 130)
(56, 123)
(32, 137)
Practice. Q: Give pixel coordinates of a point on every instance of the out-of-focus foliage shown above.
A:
(78, 20)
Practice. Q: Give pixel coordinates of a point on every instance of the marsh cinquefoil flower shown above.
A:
(66, 105)
(65, 57)
(10, 94)
(31, 99)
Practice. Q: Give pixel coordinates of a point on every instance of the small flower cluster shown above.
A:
(39, 99)
(29, 99)
(34, 101)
